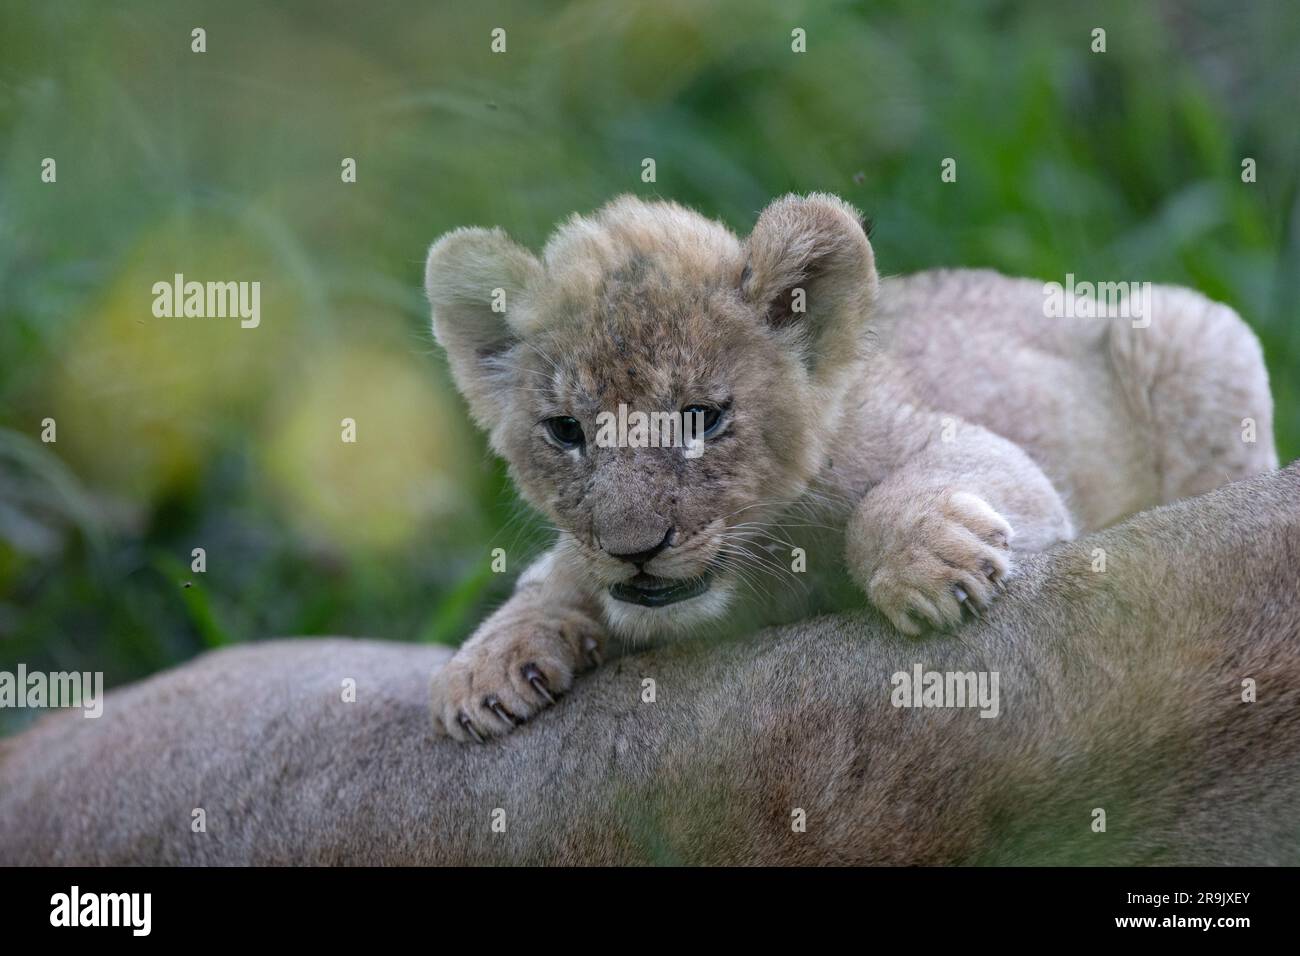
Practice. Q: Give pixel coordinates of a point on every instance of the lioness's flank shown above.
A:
(943, 422)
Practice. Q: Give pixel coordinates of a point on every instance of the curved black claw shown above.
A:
(535, 677)
(464, 721)
(494, 705)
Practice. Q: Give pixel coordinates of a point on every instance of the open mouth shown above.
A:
(650, 591)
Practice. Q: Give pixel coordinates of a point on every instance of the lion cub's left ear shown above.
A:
(810, 269)
(475, 280)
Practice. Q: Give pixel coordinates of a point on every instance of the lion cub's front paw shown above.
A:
(947, 558)
(517, 663)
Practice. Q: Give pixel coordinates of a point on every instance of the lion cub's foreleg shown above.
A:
(936, 536)
(521, 657)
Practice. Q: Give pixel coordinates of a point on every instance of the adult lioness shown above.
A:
(942, 421)
(1164, 691)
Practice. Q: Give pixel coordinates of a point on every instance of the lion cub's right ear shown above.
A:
(475, 280)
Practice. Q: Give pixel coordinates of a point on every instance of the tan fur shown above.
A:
(941, 421)
(1121, 690)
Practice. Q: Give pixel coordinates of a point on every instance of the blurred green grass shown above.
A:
(225, 165)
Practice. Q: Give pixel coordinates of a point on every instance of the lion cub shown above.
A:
(942, 420)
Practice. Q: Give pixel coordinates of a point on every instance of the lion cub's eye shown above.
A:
(712, 416)
(565, 430)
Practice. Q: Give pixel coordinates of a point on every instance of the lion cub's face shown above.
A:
(660, 389)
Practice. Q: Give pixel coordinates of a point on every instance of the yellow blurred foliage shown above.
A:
(405, 469)
(141, 401)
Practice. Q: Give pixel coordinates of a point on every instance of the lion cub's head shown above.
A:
(579, 364)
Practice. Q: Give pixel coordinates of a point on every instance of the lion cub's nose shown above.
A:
(641, 557)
